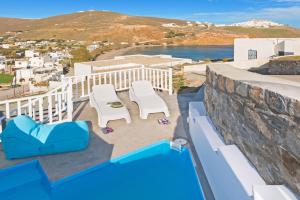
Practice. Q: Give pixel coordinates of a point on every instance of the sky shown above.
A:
(215, 11)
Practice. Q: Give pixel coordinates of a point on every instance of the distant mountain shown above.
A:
(255, 23)
(120, 28)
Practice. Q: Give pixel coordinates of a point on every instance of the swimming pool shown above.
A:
(155, 172)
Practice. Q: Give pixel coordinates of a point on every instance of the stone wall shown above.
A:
(279, 67)
(261, 115)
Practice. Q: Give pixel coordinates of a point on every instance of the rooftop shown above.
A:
(138, 60)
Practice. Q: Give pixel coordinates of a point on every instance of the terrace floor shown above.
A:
(124, 139)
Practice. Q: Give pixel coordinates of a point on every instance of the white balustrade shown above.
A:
(40, 107)
(57, 105)
(161, 79)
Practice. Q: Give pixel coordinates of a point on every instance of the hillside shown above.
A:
(98, 26)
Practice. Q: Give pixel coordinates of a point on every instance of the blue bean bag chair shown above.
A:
(23, 137)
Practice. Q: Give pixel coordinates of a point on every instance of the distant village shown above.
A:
(36, 66)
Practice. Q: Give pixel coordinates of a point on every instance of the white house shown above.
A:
(49, 64)
(31, 54)
(44, 42)
(204, 24)
(36, 62)
(53, 55)
(56, 56)
(92, 47)
(6, 46)
(189, 23)
(170, 25)
(246, 49)
(21, 64)
(23, 76)
(22, 44)
(2, 62)
(30, 42)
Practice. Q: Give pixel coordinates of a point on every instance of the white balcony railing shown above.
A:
(161, 79)
(53, 106)
(57, 105)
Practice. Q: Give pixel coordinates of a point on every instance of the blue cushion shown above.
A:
(23, 137)
(22, 124)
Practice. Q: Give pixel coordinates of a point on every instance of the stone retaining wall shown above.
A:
(279, 67)
(261, 116)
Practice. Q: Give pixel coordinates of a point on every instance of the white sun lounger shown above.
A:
(100, 98)
(148, 101)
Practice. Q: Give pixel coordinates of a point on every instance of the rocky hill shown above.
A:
(115, 27)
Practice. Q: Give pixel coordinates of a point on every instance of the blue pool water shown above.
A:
(193, 52)
(156, 172)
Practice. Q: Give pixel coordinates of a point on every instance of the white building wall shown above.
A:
(31, 54)
(265, 48)
(81, 69)
(24, 74)
(36, 62)
(2, 62)
(49, 64)
(292, 46)
(279, 47)
(21, 64)
(6, 46)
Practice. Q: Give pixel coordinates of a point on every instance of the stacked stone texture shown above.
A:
(279, 67)
(263, 124)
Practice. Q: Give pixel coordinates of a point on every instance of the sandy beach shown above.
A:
(120, 52)
(111, 54)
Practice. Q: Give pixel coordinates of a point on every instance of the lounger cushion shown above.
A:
(143, 88)
(143, 94)
(105, 93)
(100, 99)
(19, 142)
(152, 103)
(23, 124)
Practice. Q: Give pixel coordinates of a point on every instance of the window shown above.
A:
(252, 54)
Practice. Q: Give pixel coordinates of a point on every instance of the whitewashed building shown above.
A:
(36, 62)
(21, 44)
(31, 42)
(189, 23)
(92, 47)
(21, 64)
(5, 46)
(246, 49)
(31, 54)
(2, 62)
(170, 25)
(23, 76)
(49, 64)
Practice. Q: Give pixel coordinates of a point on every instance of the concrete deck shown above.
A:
(124, 139)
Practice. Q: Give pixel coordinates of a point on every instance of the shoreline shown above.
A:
(111, 54)
(120, 52)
